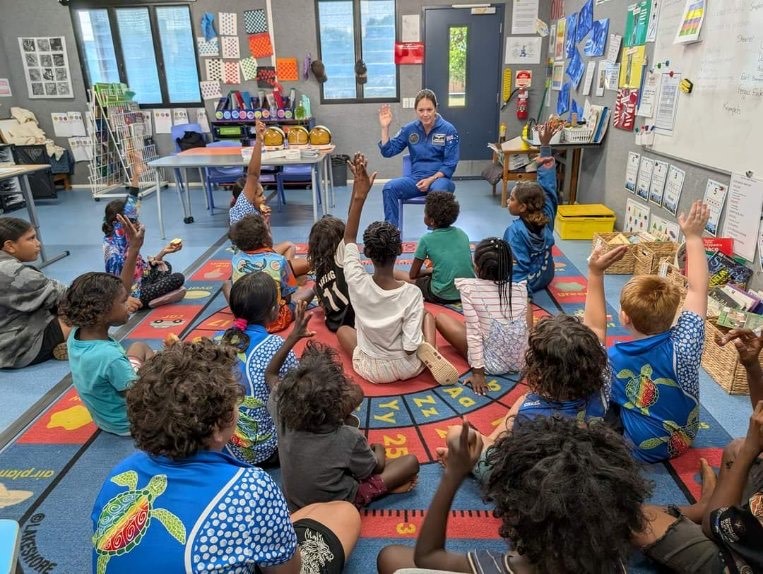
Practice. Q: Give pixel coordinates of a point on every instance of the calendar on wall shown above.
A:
(46, 67)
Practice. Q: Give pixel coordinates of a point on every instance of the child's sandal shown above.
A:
(60, 352)
(442, 370)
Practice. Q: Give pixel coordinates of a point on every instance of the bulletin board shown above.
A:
(719, 124)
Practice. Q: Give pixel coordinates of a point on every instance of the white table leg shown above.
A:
(159, 203)
(314, 181)
(32, 211)
(331, 181)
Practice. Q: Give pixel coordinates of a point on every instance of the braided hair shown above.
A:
(493, 261)
(382, 243)
(531, 195)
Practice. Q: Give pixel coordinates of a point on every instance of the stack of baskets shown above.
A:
(721, 363)
(647, 256)
(626, 264)
(578, 135)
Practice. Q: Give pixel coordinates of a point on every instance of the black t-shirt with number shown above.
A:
(331, 289)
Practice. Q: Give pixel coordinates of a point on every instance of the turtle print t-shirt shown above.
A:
(655, 381)
(208, 512)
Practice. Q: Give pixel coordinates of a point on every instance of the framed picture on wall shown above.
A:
(46, 67)
(557, 76)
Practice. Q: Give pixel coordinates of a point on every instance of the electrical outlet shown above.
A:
(408, 103)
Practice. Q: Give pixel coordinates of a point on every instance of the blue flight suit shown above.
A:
(438, 151)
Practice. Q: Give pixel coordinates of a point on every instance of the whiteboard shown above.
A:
(719, 124)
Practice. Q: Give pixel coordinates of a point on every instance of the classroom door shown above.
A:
(462, 64)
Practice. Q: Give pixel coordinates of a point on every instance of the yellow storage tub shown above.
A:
(584, 220)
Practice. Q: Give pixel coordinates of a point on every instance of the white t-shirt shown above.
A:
(388, 322)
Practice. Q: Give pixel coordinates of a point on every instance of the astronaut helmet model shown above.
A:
(273, 136)
(320, 135)
(298, 135)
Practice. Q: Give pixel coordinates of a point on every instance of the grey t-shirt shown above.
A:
(321, 466)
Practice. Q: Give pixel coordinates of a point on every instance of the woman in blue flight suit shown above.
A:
(433, 145)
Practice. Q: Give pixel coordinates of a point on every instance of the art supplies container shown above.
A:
(583, 221)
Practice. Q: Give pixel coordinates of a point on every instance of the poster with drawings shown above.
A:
(636, 216)
(644, 180)
(715, 198)
(674, 184)
(663, 229)
(659, 176)
(46, 67)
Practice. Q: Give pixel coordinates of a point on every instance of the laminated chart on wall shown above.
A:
(644, 181)
(266, 76)
(260, 45)
(248, 68)
(207, 48)
(632, 62)
(228, 23)
(659, 177)
(210, 90)
(202, 119)
(287, 69)
(715, 198)
(663, 229)
(230, 47)
(255, 21)
(636, 216)
(742, 214)
(231, 73)
(631, 171)
(674, 185)
(214, 68)
(624, 116)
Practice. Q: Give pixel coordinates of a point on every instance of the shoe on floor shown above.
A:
(442, 370)
(60, 352)
(171, 297)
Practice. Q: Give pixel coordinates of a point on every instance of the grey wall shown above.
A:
(603, 170)
(6, 103)
(354, 126)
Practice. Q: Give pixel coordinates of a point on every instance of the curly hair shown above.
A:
(89, 299)
(493, 260)
(253, 297)
(113, 208)
(552, 475)
(565, 360)
(531, 195)
(316, 394)
(442, 208)
(325, 236)
(381, 243)
(250, 233)
(12, 228)
(182, 395)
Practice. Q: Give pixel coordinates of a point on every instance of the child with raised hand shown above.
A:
(152, 281)
(532, 235)
(447, 247)
(311, 403)
(249, 199)
(254, 302)
(325, 255)
(656, 376)
(497, 316)
(567, 493)
(387, 343)
(724, 524)
(251, 236)
(101, 369)
(30, 329)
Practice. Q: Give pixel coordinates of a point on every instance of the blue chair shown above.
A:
(177, 132)
(418, 200)
(298, 173)
(221, 175)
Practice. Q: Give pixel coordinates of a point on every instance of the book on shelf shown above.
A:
(725, 269)
(738, 319)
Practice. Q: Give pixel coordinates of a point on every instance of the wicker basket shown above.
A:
(578, 135)
(626, 264)
(649, 255)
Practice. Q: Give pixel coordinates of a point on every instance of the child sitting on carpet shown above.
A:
(101, 370)
(254, 303)
(325, 254)
(567, 493)
(153, 281)
(30, 330)
(532, 235)
(249, 199)
(497, 316)
(310, 405)
(388, 344)
(210, 512)
(566, 365)
(255, 252)
(656, 376)
(447, 247)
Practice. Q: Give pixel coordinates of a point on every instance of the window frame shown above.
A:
(357, 29)
(111, 6)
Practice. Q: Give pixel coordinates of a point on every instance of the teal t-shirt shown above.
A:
(448, 249)
(101, 373)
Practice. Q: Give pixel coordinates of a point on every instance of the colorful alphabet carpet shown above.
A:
(51, 473)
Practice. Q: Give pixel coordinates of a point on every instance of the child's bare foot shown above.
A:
(441, 453)
(407, 487)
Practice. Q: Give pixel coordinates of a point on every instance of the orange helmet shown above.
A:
(320, 135)
(298, 135)
(274, 136)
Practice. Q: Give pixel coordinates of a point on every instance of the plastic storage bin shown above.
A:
(583, 221)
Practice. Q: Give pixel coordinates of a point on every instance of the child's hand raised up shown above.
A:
(464, 450)
(135, 232)
(259, 129)
(548, 130)
(363, 181)
(693, 223)
(301, 321)
(599, 261)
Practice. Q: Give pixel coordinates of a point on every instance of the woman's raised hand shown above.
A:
(385, 116)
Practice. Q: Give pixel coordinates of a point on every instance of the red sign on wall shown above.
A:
(409, 52)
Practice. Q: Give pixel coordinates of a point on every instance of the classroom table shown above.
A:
(206, 157)
(518, 146)
(22, 172)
